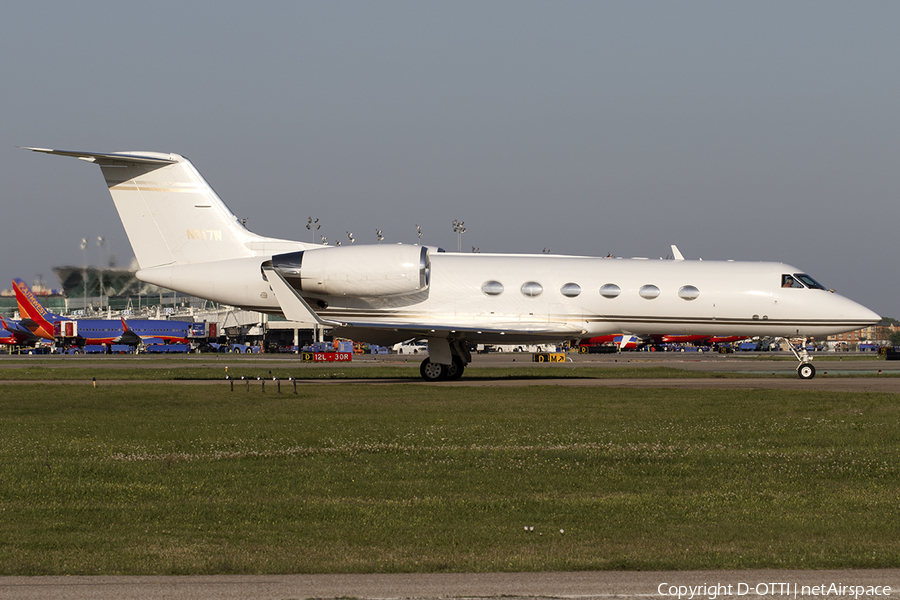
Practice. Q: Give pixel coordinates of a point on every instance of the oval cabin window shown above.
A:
(532, 288)
(688, 292)
(649, 292)
(570, 290)
(610, 290)
(492, 288)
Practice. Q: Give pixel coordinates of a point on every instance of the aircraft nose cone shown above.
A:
(868, 315)
(857, 313)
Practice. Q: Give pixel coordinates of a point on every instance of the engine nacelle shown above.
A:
(358, 271)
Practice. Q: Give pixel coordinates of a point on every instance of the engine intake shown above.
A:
(359, 271)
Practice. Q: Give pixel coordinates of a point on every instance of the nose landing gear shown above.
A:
(805, 370)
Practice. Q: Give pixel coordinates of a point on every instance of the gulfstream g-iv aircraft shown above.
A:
(186, 239)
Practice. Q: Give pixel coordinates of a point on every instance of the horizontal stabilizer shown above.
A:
(109, 158)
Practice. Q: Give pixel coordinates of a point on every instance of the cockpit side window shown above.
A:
(809, 281)
(788, 281)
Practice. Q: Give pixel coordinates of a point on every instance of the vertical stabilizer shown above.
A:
(171, 215)
(35, 317)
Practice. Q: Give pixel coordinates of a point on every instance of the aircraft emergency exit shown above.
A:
(186, 239)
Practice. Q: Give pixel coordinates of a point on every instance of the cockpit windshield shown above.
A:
(800, 281)
(788, 281)
(809, 281)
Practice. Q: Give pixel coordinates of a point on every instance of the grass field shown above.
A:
(162, 478)
(188, 372)
(212, 367)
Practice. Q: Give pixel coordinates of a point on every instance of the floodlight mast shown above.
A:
(459, 230)
(313, 226)
(100, 241)
(84, 276)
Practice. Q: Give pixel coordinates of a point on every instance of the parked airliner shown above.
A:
(14, 334)
(186, 239)
(49, 325)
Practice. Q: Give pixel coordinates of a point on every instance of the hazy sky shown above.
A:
(744, 130)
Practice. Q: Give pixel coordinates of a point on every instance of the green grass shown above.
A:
(164, 479)
(185, 371)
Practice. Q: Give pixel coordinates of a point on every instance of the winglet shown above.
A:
(676, 253)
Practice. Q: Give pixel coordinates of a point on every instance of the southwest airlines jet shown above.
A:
(14, 334)
(48, 325)
(186, 239)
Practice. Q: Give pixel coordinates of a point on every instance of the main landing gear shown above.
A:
(447, 359)
(431, 371)
(805, 370)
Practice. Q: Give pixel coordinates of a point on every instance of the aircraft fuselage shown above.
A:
(550, 297)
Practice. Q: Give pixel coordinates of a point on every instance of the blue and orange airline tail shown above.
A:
(40, 320)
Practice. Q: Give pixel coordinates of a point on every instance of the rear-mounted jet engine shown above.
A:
(357, 271)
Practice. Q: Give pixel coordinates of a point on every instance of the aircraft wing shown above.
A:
(128, 336)
(386, 334)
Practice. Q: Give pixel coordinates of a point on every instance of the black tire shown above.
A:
(432, 371)
(806, 371)
(455, 370)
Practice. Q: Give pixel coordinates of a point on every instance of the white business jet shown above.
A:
(186, 239)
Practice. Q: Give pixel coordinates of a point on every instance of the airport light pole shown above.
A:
(100, 241)
(313, 226)
(84, 245)
(459, 230)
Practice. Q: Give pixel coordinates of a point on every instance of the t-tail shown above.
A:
(35, 317)
(170, 214)
(182, 234)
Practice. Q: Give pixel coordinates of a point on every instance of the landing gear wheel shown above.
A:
(432, 371)
(455, 369)
(806, 371)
